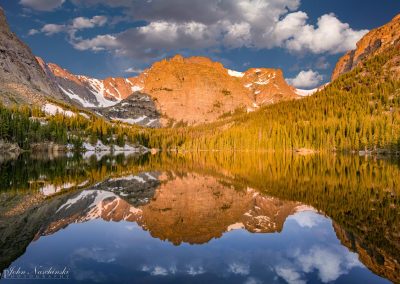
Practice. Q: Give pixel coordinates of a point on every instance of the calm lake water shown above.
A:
(200, 218)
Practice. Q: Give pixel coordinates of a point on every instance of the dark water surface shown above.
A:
(200, 218)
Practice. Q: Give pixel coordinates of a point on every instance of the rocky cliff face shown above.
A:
(372, 43)
(138, 108)
(189, 90)
(22, 80)
(178, 90)
(87, 91)
(197, 90)
(194, 90)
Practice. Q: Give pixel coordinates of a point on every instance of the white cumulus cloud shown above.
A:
(329, 36)
(85, 23)
(73, 27)
(98, 43)
(50, 29)
(175, 25)
(33, 32)
(306, 79)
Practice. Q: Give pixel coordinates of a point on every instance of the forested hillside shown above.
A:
(25, 126)
(358, 111)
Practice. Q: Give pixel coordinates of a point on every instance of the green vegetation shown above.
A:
(25, 126)
(359, 111)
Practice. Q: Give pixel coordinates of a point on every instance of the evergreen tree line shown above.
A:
(24, 126)
(358, 111)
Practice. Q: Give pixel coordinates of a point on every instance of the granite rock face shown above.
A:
(374, 42)
(198, 90)
(173, 91)
(138, 108)
(181, 90)
(6, 147)
(22, 79)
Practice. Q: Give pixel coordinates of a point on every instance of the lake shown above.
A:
(200, 218)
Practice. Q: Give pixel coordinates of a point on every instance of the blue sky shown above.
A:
(101, 38)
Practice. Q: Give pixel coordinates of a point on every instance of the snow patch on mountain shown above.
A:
(74, 96)
(128, 178)
(98, 90)
(136, 88)
(130, 120)
(98, 147)
(84, 115)
(262, 82)
(150, 176)
(234, 73)
(151, 121)
(306, 93)
(53, 110)
(50, 189)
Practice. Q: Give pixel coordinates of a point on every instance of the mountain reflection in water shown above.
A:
(196, 218)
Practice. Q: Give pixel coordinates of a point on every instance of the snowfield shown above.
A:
(74, 96)
(130, 120)
(53, 110)
(100, 147)
(98, 90)
(234, 73)
(306, 93)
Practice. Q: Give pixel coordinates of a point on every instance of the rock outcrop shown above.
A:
(374, 42)
(138, 108)
(6, 147)
(182, 90)
(90, 92)
(22, 80)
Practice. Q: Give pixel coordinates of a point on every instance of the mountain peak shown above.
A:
(177, 58)
(23, 80)
(3, 22)
(201, 60)
(190, 90)
(372, 43)
(396, 18)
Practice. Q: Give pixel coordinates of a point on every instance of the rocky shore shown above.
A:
(6, 147)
